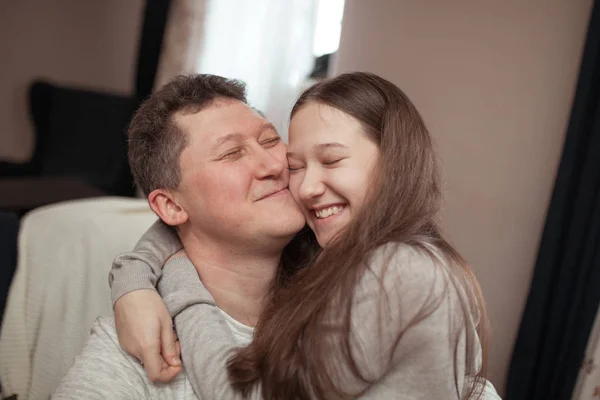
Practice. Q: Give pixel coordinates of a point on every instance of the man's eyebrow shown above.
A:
(239, 136)
(228, 137)
(267, 126)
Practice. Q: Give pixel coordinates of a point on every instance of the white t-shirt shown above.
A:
(243, 333)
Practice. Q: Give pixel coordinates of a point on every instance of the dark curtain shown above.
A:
(156, 15)
(565, 291)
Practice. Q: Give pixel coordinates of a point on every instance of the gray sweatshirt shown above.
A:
(104, 371)
(433, 360)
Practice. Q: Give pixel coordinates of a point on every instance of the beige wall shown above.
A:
(494, 81)
(86, 43)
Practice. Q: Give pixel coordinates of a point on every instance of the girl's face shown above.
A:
(330, 159)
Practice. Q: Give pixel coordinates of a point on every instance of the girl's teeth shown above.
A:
(328, 212)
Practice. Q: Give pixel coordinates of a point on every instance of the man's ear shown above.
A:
(164, 204)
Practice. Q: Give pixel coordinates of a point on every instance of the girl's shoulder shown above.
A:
(403, 263)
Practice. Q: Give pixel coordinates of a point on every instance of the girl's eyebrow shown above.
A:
(321, 147)
(324, 146)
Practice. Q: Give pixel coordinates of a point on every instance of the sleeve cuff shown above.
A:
(136, 276)
(180, 286)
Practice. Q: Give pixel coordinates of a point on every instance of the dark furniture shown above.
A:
(9, 229)
(80, 150)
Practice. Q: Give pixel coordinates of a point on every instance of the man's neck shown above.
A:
(239, 281)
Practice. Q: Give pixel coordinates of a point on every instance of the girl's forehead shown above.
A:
(316, 126)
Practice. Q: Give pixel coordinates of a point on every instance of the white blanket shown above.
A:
(61, 286)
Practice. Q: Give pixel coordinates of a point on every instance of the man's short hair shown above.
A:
(155, 140)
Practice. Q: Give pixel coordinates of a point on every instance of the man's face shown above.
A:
(234, 177)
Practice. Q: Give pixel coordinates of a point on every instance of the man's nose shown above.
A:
(268, 164)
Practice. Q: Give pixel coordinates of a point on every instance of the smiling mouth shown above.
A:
(273, 194)
(328, 212)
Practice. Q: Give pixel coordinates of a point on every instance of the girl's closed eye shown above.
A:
(296, 167)
(333, 161)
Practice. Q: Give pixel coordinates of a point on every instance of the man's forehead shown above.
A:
(219, 120)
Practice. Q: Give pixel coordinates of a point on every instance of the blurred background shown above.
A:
(510, 91)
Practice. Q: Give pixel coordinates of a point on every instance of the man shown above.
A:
(216, 170)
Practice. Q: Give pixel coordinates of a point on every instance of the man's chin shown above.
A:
(290, 228)
(287, 228)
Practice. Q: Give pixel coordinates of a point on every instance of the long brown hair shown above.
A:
(290, 355)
